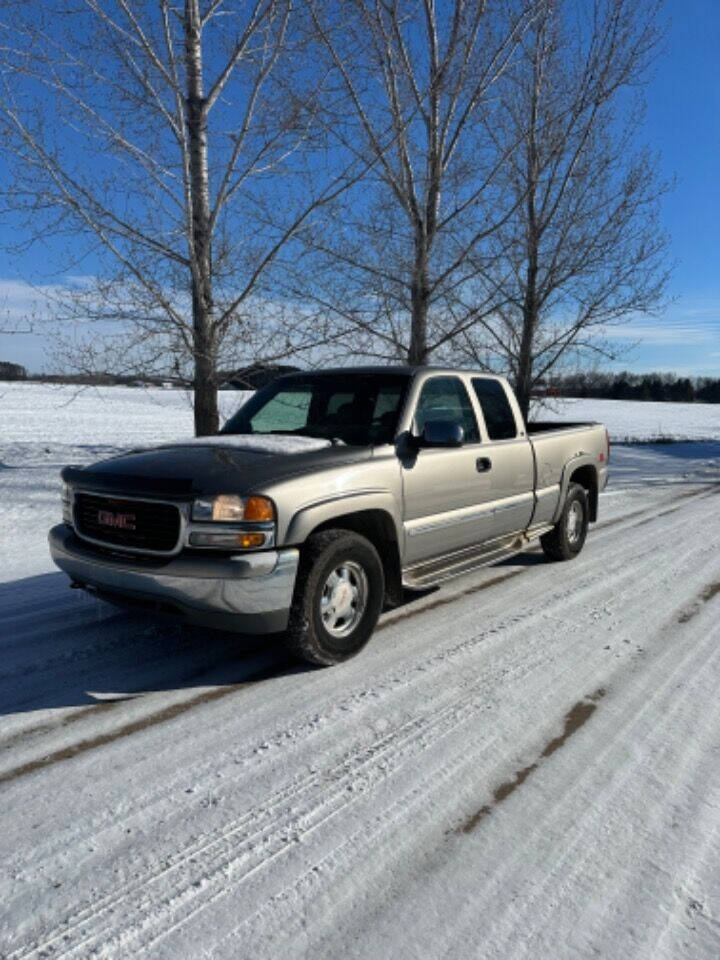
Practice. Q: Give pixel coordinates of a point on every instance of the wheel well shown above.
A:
(587, 477)
(376, 526)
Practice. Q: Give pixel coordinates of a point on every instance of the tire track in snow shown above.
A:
(361, 843)
(578, 857)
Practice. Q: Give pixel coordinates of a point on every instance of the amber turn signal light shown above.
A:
(248, 540)
(258, 510)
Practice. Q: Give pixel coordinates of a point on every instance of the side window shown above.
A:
(287, 411)
(445, 398)
(499, 418)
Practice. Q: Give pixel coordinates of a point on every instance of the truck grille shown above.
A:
(132, 524)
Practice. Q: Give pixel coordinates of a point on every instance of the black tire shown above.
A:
(567, 537)
(324, 638)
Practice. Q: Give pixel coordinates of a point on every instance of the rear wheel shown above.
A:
(567, 537)
(338, 597)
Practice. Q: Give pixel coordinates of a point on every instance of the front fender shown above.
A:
(334, 507)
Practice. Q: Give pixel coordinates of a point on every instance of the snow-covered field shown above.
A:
(118, 416)
(524, 763)
(628, 421)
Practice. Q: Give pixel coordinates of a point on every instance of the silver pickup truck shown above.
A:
(325, 497)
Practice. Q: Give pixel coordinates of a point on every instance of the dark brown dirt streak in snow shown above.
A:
(712, 590)
(198, 677)
(685, 495)
(93, 709)
(162, 716)
(664, 513)
(706, 595)
(574, 719)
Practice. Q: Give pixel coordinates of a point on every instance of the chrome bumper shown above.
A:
(248, 593)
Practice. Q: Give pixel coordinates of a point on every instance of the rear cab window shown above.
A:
(496, 410)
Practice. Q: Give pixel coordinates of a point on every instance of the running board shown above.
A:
(429, 573)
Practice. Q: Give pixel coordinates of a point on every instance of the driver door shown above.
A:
(447, 496)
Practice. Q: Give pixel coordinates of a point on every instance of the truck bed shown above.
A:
(546, 426)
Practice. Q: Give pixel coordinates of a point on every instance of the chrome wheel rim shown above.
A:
(344, 598)
(574, 522)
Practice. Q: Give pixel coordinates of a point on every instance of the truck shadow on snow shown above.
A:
(62, 648)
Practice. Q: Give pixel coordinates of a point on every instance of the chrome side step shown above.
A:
(429, 573)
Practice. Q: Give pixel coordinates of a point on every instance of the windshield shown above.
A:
(359, 409)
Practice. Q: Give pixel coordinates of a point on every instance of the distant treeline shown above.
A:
(247, 378)
(14, 371)
(634, 386)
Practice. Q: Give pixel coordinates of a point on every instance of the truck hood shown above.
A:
(210, 465)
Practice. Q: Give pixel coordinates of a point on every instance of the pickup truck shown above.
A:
(325, 497)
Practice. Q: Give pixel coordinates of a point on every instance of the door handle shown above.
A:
(483, 464)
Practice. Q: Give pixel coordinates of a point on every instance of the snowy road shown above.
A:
(525, 763)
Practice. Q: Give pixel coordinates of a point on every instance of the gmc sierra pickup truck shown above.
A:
(324, 497)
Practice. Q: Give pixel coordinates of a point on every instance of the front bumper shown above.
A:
(248, 593)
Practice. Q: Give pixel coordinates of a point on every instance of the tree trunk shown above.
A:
(419, 296)
(523, 373)
(207, 420)
(205, 408)
(530, 311)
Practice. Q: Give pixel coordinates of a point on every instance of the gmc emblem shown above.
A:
(121, 521)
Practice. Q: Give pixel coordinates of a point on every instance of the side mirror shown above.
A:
(442, 433)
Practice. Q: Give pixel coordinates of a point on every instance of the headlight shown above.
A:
(227, 508)
(67, 503)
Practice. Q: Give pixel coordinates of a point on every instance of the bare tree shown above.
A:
(413, 78)
(582, 249)
(172, 136)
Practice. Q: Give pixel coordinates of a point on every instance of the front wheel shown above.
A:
(567, 537)
(338, 597)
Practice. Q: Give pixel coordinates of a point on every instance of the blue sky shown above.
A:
(682, 125)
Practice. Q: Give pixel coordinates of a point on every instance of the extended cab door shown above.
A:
(446, 492)
(511, 466)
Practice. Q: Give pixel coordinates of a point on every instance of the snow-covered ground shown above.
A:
(628, 421)
(118, 416)
(524, 763)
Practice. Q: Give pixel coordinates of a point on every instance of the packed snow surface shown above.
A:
(522, 764)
